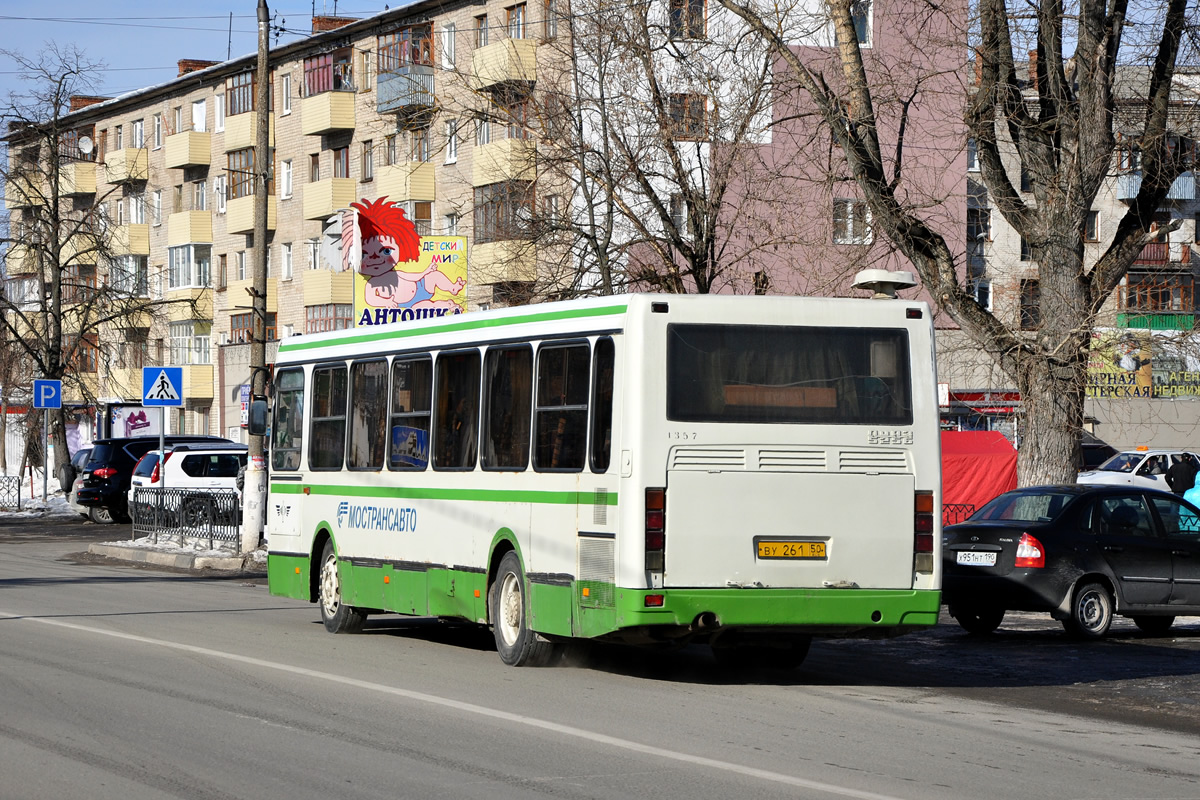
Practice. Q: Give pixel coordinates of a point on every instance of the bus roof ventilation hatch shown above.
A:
(882, 283)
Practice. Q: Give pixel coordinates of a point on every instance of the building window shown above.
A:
(241, 328)
(1026, 183)
(551, 19)
(285, 266)
(422, 217)
(120, 212)
(78, 283)
(329, 72)
(851, 222)
(314, 253)
(189, 266)
(83, 354)
(219, 113)
(515, 21)
(314, 168)
(341, 162)
(157, 211)
(137, 209)
(239, 90)
(1026, 250)
(688, 114)
(285, 93)
(130, 275)
(483, 133)
(979, 225)
(285, 179)
(503, 211)
(972, 156)
(368, 160)
(1158, 293)
(420, 144)
(199, 115)
(200, 196)
(451, 224)
(518, 120)
(1031, 311)
(405, 47)
(222, 270)
(366, 76)
(177, 199)
(139, 133)
(134, 351)
(448, 32)
(481, 31)
(220, 191)
(158, 131)
(389, 146)
(241, 265)
(860, 14)
(1091, 227)
(190, 342)
(241, 174)
(686, 19)
(328, 317)
(451, 141)
(118, 137)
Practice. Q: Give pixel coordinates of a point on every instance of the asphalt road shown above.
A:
(135, 683)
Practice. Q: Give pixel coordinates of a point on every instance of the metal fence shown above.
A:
(953, 513)
(188, 516)
(10, 492)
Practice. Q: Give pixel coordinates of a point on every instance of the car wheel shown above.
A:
(1091, 612)
(100, 515)
(517, 644)
(977, 620)
(197, 513)
(1156, 626)
(336, 615)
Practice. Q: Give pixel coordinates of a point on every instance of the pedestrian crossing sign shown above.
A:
(162, 386)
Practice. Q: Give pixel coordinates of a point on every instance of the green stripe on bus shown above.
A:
(472, 495)
(482, 321)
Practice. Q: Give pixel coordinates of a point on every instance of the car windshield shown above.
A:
(1026, 506)
(1123, 462)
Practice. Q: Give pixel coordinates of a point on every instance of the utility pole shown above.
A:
(254, 493)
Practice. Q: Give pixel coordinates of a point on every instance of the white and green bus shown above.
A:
(741, 471)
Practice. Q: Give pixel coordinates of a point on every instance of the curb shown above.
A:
(160, 558)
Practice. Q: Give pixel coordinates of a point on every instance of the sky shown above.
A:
(140, 41)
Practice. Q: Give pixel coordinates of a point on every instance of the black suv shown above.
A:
(104, 484)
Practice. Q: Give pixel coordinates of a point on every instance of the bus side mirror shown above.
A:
(256, 422)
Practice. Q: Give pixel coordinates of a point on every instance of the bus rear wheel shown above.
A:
(336, 615)
(517, 644)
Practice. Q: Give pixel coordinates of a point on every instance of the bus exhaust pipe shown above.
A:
(704, 621)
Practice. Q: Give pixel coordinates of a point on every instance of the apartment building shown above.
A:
(1144, 371)
(428, 105)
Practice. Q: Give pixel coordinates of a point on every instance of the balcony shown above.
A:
(84, 248)
(77, 178)
(1153, 253)
(408, 180)
(25, 191)
(198, 382)
(323, 198)
(1130, 183)
(327, 112)
(505, 160)
(130, 240)
(505, 62)
(241, 131)
(189, 227)
(504, 261)
(322, 287)
(124, 382)
(126, 165)
(405, 90)
(239, 214)
(192, 302)
(21, 259)
(188, 149)
(240, 300)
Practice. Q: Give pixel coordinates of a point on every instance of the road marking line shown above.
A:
(471, 708)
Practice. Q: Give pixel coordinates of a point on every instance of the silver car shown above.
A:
(1145, 467)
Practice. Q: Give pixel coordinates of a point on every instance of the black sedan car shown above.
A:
(1082, 553)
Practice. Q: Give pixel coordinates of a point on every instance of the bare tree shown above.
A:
(1060, 123)
(71, 287)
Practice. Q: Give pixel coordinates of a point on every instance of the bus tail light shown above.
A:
(656, 528)
(1030, 552)
(923, 523)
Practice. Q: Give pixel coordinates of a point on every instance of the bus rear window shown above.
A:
(788, 374)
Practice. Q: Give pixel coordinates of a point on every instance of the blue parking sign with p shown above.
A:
(47, 394)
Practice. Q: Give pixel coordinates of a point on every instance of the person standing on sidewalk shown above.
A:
(1182, 474)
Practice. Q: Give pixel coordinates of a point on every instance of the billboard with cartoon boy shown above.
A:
(399, 276)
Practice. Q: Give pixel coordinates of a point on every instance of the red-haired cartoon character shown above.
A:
(390, 252)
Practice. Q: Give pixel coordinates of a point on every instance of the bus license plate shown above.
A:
(979, 559)
(791, 550)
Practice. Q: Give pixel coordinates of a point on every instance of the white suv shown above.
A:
(1147, 468)
(200, 469)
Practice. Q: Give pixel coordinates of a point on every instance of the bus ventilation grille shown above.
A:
(600, 507)
(596, 572)
(873, 461)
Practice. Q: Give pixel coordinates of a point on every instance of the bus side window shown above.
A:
(412, 395)
(287, 432)
(602, 405)
(368, 414)
(328, 443)
(508, 402)
(560, 418)
(456, 437)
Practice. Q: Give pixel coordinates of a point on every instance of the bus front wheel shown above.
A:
(517, 644)
(336, 615)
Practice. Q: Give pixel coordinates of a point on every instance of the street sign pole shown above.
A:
(45, 452)
(47, 394)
